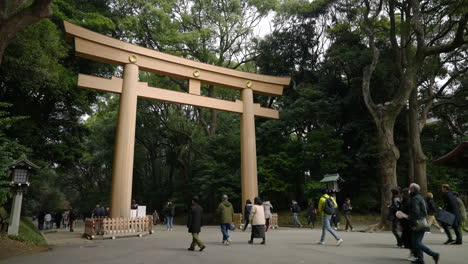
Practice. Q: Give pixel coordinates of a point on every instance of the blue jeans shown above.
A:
(296, 220)
(326, 227)
(419, 247)
(169, 222)
(225, 231)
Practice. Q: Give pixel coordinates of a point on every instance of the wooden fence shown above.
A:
(114, 227)
(239, 221)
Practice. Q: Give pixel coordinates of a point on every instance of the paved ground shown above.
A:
(285, 245)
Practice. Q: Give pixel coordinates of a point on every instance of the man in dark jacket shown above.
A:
(169, 212)
(194, 224)
(451, 206)
(347, 211)
(296, 209)
(418, 212)
(225, 212)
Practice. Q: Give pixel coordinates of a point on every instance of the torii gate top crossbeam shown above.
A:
(92, 45)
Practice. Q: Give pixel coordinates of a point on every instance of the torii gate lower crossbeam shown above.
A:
(92, 45)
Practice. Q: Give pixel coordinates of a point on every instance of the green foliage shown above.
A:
(181, 151)
(28, 233)
(10, 150)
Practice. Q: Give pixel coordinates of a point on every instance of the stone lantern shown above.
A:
(332, 182)
(20, 170)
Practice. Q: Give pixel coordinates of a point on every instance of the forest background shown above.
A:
(349, 65)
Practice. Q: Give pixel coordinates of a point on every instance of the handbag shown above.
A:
(232, 227)
(445, 217)
(422, 224)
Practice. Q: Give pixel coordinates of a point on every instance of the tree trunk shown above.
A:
(415, 138)
(14, 18)
(389, 155)
(409, 143)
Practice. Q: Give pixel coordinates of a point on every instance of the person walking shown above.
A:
(392, 209)
(72, 216)
(169, 212)
(99, 211)
(431, 210)
(295, 209)
(267, 209)
(451, 206)
(347, 209)
(326, 207)
(418, 212)
(47, 220)
(41, 220)
(247, 209)
(194, 224)
(405, 224)
(155, 217)
(58, 219)
(461, 205)
(258, 220)
(225, 212)
(65, 219)
(311, 214)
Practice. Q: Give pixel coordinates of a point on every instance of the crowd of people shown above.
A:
(412, 216)
(47, 220)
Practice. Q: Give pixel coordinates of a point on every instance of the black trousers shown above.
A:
(395, 226)
(457, 230)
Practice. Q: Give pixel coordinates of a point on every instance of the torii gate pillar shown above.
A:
(122, 170)
(92, 45)
(248, 148)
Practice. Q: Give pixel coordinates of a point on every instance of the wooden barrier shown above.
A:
(238, 219)
(274, 221)
(107, 227)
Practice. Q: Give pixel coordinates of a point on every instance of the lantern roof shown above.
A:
(331, 177)
(23, 161)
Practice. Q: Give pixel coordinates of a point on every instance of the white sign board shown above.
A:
(133, 213)
(141, 211)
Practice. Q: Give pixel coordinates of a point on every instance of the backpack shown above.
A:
(329, 206)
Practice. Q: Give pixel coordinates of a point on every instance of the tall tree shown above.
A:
(15, 15)
(416, 30)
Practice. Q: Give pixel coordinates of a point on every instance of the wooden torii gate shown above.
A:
(91, 45)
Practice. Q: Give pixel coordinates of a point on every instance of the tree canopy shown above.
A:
(350, 61)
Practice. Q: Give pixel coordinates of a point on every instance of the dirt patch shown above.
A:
(10, 248)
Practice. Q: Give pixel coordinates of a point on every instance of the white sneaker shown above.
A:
(321, 243)
(339, 242)
(442, 230)
(412, 258)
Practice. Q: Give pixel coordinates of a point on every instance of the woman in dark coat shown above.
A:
(405, 224)
(248, 208)
(194, 224)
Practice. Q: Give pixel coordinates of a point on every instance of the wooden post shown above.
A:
(248, 149)
(122, 170)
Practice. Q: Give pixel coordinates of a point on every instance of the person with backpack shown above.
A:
(327, 207)
(295, 208)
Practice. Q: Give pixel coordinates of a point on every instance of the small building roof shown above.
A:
(457, 158)
(331, 177)
(23, 161)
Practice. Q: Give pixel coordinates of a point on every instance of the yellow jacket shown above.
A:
(321, 205)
